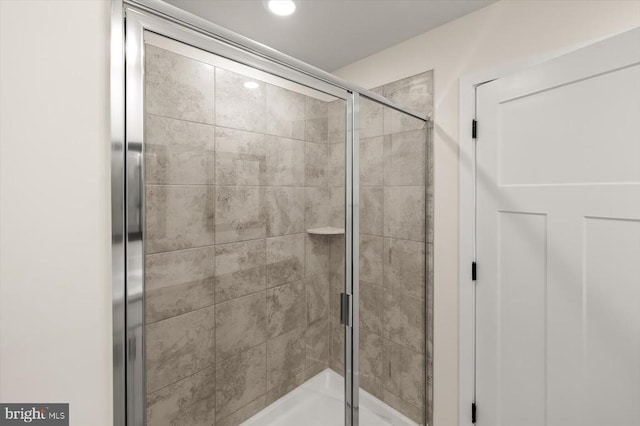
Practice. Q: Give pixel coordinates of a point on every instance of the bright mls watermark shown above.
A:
(35, 414)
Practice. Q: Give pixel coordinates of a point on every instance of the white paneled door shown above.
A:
(558, 241)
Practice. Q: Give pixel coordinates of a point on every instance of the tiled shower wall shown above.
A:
(237, 293)
(392, 258)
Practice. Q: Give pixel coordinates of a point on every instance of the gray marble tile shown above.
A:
(280, 390)
(403, 320)
(337, 118)
(371, 258)
(371, 360)
(316, 120)
(316, 207)
(178, 87)
(317, 288)
(240, 269)
(178, 152)
(371, 161)
(337, 207)
(371, 307)
(239, 213)
(240, 380)
(241, 157)
(285, 358)
(240, 324)
(404, 212)
(371, 210)
(371, 119)
(187, 402)
(285, 113)
(286, 308)
(404, 159)
(179, 217)
(317, 346)
(415, 92)
(238, 107)
(316, 164)
(284, 210)
(178, 282)
(243, 413)
(336, 168)
(285, 259)
(179, 347)
(404, 266)
(403, 376)
(285, 161)
(409, 410)
(316, 254)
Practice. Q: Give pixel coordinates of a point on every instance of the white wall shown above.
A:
(501, 33)
(55, 290)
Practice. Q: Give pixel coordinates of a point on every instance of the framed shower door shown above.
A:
(240, 232)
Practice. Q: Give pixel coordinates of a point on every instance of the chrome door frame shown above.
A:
(130, 19)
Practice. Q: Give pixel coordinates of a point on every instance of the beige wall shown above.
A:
(55, 291)
(498, 34)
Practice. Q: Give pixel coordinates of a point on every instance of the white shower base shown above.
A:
(320, 402)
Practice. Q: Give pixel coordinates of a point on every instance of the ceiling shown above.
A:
(332, 33)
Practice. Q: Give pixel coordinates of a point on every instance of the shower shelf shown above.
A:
(326, 230)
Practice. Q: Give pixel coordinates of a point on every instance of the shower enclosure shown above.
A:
(271, 238)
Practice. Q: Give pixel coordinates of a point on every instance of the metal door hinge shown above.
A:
(474, 129)
(345, 309)
(473, 412)
(474, 271)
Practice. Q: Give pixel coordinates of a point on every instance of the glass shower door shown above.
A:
(244, 243)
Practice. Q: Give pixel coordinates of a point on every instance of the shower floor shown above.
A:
(320, 402)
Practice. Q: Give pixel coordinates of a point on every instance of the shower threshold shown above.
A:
(320, 402)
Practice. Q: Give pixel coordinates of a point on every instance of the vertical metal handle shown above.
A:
(345, 309)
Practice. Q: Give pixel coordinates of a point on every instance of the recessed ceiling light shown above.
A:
(251, 85)
(282, 7)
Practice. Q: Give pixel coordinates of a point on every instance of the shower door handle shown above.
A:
(345, 309)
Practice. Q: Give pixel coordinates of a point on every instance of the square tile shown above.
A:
(187, 402)
(239, 213)
(371, 210)
(178, 217)
(317, 288)
(404, 159)
(178, 282)
(403, 374)
(316, 254)
(240, 324)
(178, 152)
(404, 266)
(284, 210)
(285, 358)
(178, 87)
(371, 161)
(404, 212)
(316, 164)
(240, 380)
(285, 161)
(285, 113)
(403, 320)
(238, 107)
(371, 258)
(241, 157)
(179, 347)
(286, 308)
(285, 259)
(240, 269)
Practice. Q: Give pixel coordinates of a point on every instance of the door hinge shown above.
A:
(474, 270)
(474, 129)
(473, 412)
